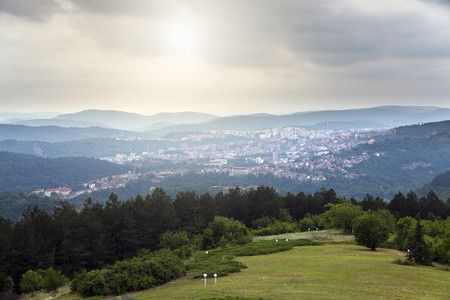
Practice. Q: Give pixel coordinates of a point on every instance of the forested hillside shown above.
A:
(25, 173)
(58, 134)
(12, 205)
(418, 131)
(396, 165)
(440, 185)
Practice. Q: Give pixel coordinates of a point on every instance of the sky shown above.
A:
(223, 57)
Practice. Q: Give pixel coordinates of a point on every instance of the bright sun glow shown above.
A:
(183, 38)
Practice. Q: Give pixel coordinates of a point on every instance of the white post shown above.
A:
(204, 275)
(276, 240)
(206, 252)
(215, 278)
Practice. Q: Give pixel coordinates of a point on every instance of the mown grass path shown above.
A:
(330, 271)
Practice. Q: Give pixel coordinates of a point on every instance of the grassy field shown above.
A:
(330, 271)
(335, 270)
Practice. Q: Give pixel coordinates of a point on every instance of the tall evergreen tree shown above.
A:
(419, 251)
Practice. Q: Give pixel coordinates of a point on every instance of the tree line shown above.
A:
(75, 240)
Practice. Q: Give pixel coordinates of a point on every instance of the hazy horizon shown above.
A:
(222, 57)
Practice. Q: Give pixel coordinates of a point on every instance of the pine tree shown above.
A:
(419, 251)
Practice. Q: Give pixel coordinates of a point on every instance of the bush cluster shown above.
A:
(223, 232)
(436, 236)
(48, 280)
(136, 274)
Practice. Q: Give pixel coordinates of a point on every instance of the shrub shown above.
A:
(31, 281)
(53, 279)
(306, 223)
(262, 222)
(135, 274)
(176, 241)
(93, 283)
(225, 229)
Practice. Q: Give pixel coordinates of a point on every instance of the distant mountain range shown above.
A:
(110, 123)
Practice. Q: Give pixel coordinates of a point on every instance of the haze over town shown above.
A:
(222, 57)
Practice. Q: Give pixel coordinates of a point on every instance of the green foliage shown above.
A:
(387, 218)
(284, 216)
(31, 282)
(262, 222)
(266, 247)
(419, 250)
(307, 223)
(232, 231)
(341, 216)
(135, 274)
(403, 229)
(178, 242)
(49, 280)
(440, 185)
(12, 205)
(53, 279)
(6, 284)
(276, 227)
(370, 230)
(91, 284)
(25, 173)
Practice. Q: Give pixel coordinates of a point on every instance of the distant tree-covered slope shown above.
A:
(100, 147)
(398, 165)
(59, 134)
(25, 173)
(440, 185)
(418, 131)
(12, 204)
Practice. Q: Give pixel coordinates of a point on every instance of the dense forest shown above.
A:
(74, 241)
(25, 173)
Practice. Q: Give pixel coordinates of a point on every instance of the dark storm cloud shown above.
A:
(325, 32)
(36, 10)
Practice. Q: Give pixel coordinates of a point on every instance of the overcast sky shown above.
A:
(223, 57)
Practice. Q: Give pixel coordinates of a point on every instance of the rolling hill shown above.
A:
(132, 121)
(59, 134)
(440, 185)
(25, 173)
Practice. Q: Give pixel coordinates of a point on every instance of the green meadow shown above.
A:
(329, 271)
(336, 269)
